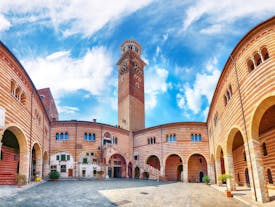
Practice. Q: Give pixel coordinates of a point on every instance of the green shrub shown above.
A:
(54, 175)
(205, 179)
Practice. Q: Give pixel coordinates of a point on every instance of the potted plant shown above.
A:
(224, 178)
(54, 175)
(21, 180)
(99, 174)
(206, 179)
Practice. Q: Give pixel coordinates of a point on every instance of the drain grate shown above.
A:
(144, 193)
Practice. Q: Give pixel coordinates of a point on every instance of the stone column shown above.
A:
(252, 58)
(229, 169)
(262, 59)
(162, 171)
(126, 170)
(218, 170)
(185, 172)
(106, 172)
(211, 173)
(258, 172)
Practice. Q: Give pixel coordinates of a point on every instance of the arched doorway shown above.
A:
(117, 165)
(130, 174)
(14, 156)
(137, 172)
(36, 163)
(220, 169)
(236, 152)
(153, 161)
(179, 173)
(197, 168)
(263, 130)
(171, 167)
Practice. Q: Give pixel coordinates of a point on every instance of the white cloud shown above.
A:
(64, 74)
(219, 13)
(155, 84)
(67, 109)
(72, 17)
(4, 23)
(213, 29)
(180, 101)
(190, 97)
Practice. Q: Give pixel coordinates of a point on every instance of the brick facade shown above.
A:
(237, 138)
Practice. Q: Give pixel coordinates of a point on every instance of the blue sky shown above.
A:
(73, 46)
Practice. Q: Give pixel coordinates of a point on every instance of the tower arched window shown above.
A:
(264, 53)
(264, 149)
(17, 92)
(85, 136)
(269, 175)
(23, 98)
(250, 65)
(257, 59)
(13, 87)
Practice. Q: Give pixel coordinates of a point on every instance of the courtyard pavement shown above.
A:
(116, 192)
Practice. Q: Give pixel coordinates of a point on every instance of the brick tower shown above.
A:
(131, 87)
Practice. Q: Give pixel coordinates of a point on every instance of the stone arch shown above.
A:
(220, 167)
(117, 166)
(172, 162)
(36, 161)
(262, 130)
(197, 167)
(153, 161)
(20, 158)
(258, 113)
(234, 157)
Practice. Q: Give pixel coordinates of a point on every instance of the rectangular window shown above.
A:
(68, 157)
(57, 157)
(94, 160)
(85, 161)
(53, 168)
(94, 171)
(63, 157)
(63, 168)
(136, 157)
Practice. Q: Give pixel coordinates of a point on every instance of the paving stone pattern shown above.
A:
(117, 192)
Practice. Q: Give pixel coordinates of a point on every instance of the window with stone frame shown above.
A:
(57, 157)
(68, 157)
(63, 157)
(53, 168)
(85, 161)
(63, 168)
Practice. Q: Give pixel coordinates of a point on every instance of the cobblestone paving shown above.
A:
(118, 192)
